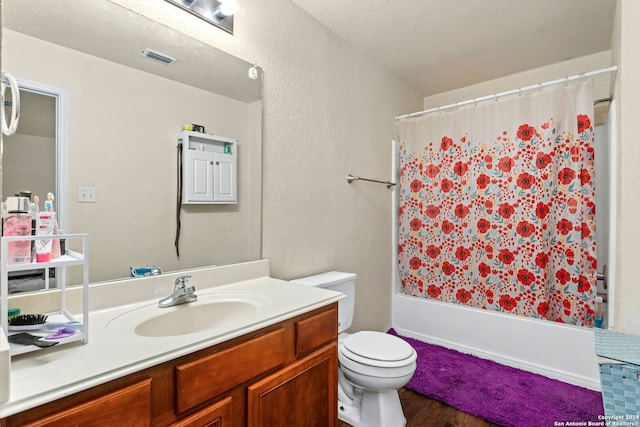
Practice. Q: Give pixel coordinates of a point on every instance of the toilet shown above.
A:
(373, 365)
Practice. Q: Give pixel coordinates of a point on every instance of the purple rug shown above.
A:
(498, 393)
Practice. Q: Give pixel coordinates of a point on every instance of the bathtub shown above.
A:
(562, 352)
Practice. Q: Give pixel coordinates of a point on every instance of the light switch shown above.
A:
(87, 194)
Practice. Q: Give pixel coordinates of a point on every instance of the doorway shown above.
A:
(34, 161)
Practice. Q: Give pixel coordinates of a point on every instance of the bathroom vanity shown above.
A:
(273, 366)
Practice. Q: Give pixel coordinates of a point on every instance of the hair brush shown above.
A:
(27, 321)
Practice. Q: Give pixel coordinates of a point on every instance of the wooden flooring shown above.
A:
(421, 411)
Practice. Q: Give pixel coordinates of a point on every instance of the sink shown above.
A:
(184, 319)
(208, 312)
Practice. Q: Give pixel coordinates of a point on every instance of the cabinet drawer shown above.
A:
(216, 415)
(205, 378)
(315, 331)
(128, 406)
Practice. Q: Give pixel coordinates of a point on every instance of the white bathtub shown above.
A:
(559, 351)
(562, 352)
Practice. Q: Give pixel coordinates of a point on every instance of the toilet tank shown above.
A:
(339, 282)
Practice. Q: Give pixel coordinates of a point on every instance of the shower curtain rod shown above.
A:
(510, 92)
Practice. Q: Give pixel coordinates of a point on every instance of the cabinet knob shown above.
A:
(211, 162)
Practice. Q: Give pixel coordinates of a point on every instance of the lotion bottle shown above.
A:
(55, 244)
(44, 228)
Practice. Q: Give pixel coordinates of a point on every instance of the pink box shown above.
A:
(17, 224)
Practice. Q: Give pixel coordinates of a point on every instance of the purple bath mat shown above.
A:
(501, 394)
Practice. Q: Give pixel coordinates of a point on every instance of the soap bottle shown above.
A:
(599, 319)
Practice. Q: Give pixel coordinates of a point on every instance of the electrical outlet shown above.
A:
(87, 194)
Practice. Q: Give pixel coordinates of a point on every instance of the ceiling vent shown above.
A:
(157, 56)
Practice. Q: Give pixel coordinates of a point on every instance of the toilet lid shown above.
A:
(378, 346)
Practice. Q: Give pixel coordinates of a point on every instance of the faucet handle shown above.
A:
(182, 281)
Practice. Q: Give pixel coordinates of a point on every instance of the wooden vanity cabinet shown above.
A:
(282, 375)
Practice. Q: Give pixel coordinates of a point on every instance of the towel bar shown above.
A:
(351, 178)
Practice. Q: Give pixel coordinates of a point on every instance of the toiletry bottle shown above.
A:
(599, 319)
(56, 251)
(44, 228)
(55, 243)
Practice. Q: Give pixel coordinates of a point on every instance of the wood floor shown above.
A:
(421, 411)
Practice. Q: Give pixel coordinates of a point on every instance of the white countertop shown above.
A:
(114, 350)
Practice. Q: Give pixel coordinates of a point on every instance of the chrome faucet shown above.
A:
(182, 293)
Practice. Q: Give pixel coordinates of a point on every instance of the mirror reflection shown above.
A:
(33, 144)
(32, 154)
(124, 113)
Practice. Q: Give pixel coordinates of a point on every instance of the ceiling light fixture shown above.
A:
(217, 12)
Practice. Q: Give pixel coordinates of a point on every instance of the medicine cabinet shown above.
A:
(209, 169)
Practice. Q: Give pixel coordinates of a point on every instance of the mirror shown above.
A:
(34, 144)
(124, 115)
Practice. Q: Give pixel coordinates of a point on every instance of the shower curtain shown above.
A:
(497, 205)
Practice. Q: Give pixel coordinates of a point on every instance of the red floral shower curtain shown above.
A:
(497, 205)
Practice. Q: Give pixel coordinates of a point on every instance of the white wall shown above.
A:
(25, 151)
(626, 45)
(328, 112)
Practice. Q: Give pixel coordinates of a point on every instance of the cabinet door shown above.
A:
(216, 415)
(198, 176)
(304, 394)
(225, 181)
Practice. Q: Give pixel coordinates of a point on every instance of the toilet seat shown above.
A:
(378, 349)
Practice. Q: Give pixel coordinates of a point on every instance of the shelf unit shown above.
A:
(69, 259)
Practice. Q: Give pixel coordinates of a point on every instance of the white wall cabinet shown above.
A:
(209, 169)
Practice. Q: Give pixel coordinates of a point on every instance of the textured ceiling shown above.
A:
(441, 45)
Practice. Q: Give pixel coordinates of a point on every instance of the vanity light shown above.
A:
(226, 8)
(217, 12)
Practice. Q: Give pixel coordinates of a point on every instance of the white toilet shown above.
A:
(373, 365)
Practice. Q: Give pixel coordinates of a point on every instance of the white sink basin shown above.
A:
(208, 312)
